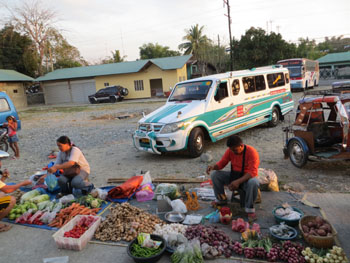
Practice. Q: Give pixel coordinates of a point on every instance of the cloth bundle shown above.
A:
(126, 189)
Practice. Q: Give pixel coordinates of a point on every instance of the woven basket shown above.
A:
(317, 241)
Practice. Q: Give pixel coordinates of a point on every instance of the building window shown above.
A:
(106, 84)
(15, 91)
(138, 85)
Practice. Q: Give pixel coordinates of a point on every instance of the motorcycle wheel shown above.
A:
(4, 146)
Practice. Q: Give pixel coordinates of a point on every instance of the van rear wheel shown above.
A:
(196, 142)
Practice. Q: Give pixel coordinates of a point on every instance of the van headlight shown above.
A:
(172, 127)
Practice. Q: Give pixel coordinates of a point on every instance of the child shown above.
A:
(12, 133)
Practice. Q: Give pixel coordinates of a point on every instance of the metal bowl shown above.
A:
(174, 217)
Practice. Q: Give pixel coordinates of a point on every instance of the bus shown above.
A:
(214, 107)
(304, 73)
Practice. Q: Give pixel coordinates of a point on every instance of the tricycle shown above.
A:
(321, 128)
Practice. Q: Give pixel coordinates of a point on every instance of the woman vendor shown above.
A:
(75, 168)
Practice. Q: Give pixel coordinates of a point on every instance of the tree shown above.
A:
(115, 58)
(60, 54)
(16, 52)
(150, 50)
(256, 48)
(35, 21)
(195, 40)
(307, 49)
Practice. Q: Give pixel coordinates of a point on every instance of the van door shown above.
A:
(221, 102)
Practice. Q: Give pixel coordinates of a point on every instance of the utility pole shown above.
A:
(271, 26)
(227, 2)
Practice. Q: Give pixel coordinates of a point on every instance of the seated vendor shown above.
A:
(242, 177)
(76, 169)
(7, 202)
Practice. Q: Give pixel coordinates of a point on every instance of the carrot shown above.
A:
(84, 211)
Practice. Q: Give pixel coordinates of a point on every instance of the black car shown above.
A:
(109, 94)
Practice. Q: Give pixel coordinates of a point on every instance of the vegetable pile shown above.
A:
(282, 231)
(89, 201)
(221, 243)
(336, 254)
(190, 253)
(125, 222)
(17, 194)
(172, 233)
(80, 228)
(66, 214)
(239, 225)
(144, 252)
(317, 227)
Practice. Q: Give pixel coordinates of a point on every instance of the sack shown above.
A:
(145, 194)
(72, 171)
(268, 180)
(127, 189)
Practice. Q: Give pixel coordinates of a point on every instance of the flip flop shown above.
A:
(5, 227)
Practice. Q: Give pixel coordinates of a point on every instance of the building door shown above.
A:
(156, 87)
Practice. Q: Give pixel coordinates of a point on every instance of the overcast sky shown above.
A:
(96, 27)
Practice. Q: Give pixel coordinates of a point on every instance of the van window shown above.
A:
(287, 77)
(235, 87)
(252, 84)
(222, 91)
(4, 106)
(275, 80)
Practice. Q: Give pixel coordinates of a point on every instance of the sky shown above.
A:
(98, 27)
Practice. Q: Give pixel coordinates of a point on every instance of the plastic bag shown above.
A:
(66, 199)
(51, 182)
(29, 195)
(169, 190)
(178, 206)
(146, 178)
(145, 194)
(48, 217)
(268, 180)
(189, 252)
(99, 193)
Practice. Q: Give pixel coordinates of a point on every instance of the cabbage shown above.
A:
(29, 195)
(43, 205)
(40, 198)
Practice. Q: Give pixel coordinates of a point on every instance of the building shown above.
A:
(335, 65)
(14, 84)
(143, 79)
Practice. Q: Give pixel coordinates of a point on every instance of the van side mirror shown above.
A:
(171, 88)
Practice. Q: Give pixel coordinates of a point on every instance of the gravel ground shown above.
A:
(106, 142)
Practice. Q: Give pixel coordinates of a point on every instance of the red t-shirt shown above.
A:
(251, 161)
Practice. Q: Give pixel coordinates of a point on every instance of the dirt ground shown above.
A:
(103, 132)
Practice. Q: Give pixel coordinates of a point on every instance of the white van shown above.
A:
(214, 107)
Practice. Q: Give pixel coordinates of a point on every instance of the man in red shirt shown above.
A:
(242, 177)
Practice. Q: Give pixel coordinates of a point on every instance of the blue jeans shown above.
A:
(248, 190)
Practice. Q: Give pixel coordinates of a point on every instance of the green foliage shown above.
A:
(256, 48)
(16, 52)
(115, 58)
(150, 50)
(214, 55)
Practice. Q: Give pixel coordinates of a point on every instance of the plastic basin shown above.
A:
(287, 221)
(152, 259)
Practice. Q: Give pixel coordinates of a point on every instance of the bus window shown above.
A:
(260, 83)
(275, 80)
(222, 91)
(235, 87)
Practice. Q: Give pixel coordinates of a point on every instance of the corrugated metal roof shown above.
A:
(335, 57)
(114, 68)
(171, 62)
(11, 75)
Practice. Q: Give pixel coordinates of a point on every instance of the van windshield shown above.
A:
(191, 91)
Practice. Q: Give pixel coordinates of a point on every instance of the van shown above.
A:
(7, 108)
(215, 107)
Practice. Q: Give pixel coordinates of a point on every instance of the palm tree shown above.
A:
(195, 40)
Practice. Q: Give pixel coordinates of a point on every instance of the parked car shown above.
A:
(7, 108)
(321, 128)
(109, 94)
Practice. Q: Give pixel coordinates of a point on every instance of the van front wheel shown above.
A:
(196, 142)
(275, 117)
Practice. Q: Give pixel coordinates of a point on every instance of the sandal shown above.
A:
(5, 227)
